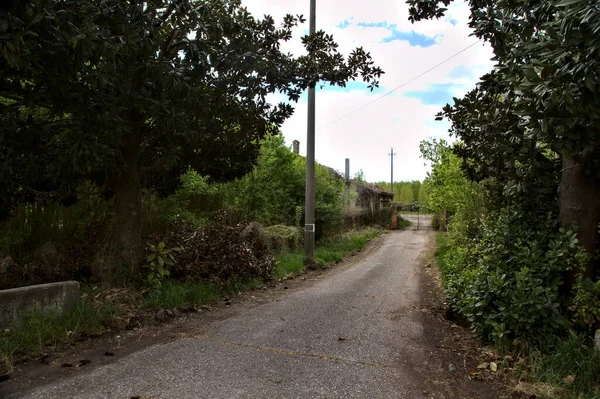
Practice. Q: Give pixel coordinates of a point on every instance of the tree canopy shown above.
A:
(132, 93)
(531, 125)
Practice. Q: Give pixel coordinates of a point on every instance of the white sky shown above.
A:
(397, 120)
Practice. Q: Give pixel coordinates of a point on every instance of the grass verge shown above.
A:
(36, 330)
(327, 252)
(569, 371)
(174, 294)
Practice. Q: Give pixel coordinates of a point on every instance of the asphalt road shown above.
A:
(349, 335)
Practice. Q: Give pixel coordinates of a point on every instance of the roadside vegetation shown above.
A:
(108, 309)
(517, 192)
(170, 186)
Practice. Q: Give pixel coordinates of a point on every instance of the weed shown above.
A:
(37, 329)
(328, 252)
(573, 365)
(173, 294)
(289, 263)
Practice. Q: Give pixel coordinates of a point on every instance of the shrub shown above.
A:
(508, 283)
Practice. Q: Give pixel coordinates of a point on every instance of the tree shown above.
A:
(406, 194)
(415, 185)
(273, 191)
(539, 104)
(132, 93)
(448, 187)
(423, 198)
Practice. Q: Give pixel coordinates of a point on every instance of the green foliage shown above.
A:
(273, 193)
(174, 294)
(449, 188)
(328, 251)
(275, 187)
(289, 264)
(406, 195)
(529, 135)
(159, 259)
(132, 94)
(586, 304)
(334, 249)
(33, 224)
(191, 202)
(423, 196)
(575, 359)
(403, 223)
(508, 282)
(36, 330)
(405, 192)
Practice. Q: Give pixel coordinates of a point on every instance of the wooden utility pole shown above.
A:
(392, 179)
(309, 210)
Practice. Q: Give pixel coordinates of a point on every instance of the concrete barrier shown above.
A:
(53, 296)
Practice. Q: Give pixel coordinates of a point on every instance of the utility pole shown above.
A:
(392, 179)
(309, 210)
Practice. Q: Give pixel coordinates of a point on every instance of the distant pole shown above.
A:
(309, 211)
(392, 178)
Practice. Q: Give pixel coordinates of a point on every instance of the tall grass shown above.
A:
(36, 330)
(174, 294)
(573, 366)
(327, 252)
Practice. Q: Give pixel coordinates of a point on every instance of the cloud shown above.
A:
(401, 119)
(462, 71)
(344, 24)
(437, 94)
(412, 37)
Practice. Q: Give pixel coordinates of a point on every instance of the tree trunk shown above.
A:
(579, 202)
(128, 203)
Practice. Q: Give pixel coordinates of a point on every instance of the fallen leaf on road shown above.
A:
(83, 362)
(483, 365)
(473, 372)
(493, 367)
(568, 380)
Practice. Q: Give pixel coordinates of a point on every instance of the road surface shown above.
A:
(353, 333)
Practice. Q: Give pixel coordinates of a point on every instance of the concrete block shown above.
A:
(53, 296)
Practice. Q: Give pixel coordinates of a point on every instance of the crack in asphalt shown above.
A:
(292, 353)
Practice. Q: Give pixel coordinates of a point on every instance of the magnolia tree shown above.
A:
(539, 105)
(132, 93)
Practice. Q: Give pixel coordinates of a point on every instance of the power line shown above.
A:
(399, 87)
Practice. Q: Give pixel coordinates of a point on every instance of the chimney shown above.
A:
(348, 171)
(296, 146)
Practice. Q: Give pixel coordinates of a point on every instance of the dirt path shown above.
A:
(370, 328)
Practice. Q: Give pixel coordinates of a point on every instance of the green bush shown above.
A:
(507, 284)
(189, 203)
